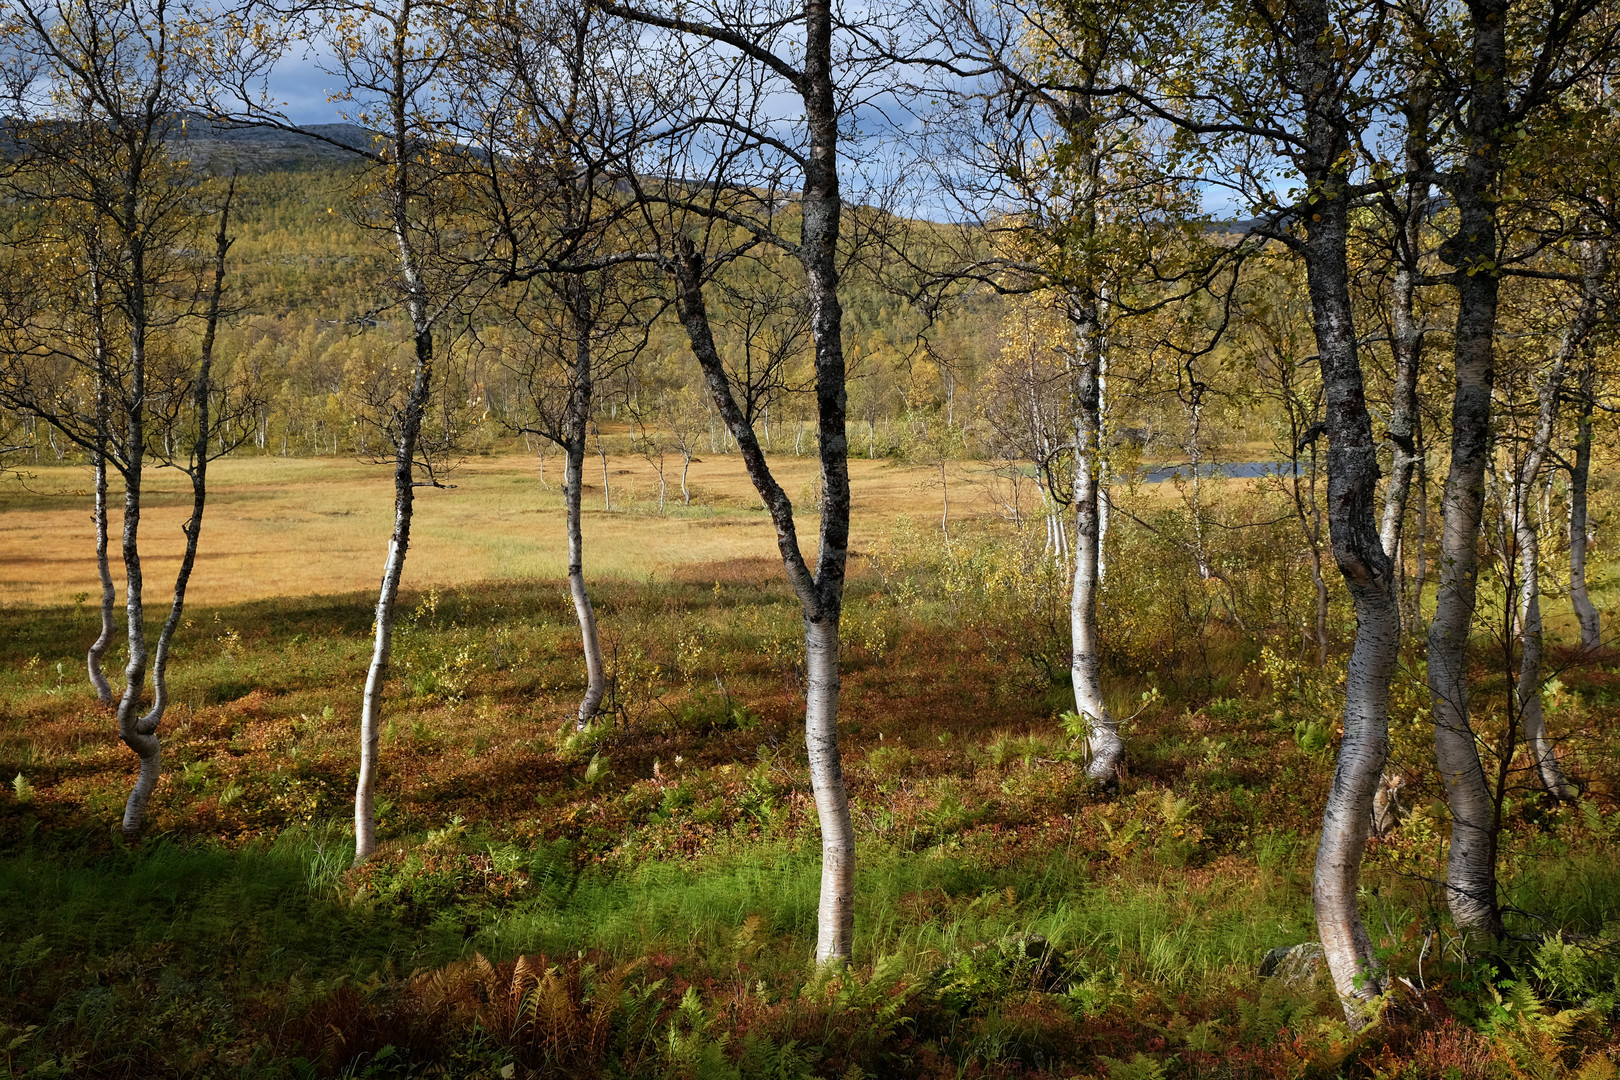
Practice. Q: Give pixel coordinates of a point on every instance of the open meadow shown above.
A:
(316, 526)
(640, 899)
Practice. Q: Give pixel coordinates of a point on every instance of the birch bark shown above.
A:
(1471, 866)
(1527, 533)
(1352, 469)
(146, 727)
(1106, 746)
(400, 189)
(820, 593)
(575, 424)
(1580, 472)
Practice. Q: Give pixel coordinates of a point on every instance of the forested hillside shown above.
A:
(1033, 539)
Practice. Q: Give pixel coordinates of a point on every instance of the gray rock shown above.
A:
(1298, 967)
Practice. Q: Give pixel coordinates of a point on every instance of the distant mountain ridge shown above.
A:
(267, 149)
(250, 149)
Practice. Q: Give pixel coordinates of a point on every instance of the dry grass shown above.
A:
(301, 527)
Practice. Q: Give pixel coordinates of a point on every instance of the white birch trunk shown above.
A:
(595, 670)
(1527, 533)
(98, 648)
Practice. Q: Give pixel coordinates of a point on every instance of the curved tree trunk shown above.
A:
(198, 471)
(365, 812)
(577, 420)
(144, 744)
(1352, 477)
(109, 595)
(1471, 868)
(595, 670)
(1368, 572)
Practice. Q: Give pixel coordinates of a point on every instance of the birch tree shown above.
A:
(1525, 528)
(387, 60)
(1284, 90)
(1040, 150)
(1501, 73)
(770, 92)
(113, 311)
(555, 98)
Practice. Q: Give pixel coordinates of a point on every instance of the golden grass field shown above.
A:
(309, 526)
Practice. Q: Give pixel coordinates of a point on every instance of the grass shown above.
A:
(659, 873)
(310, 526)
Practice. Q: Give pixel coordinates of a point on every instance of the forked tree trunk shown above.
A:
(1580, 471)
(1471, 867)
(820, 594)
(133, 406)
(198, 471)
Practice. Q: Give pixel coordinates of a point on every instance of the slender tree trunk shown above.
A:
(1421, 570)
(98, 648)
(1471, 869)
(133, 407)
(1585, 613)
(578, 421)
(595, 670)
(1102, 733)
(144, 743)
(820, 593)
(365, 815)
(686, 467)
(400, 194)
(1352, 473)
(98, 459)
(1310, 521)
(1527, 533)
(1407, 343)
